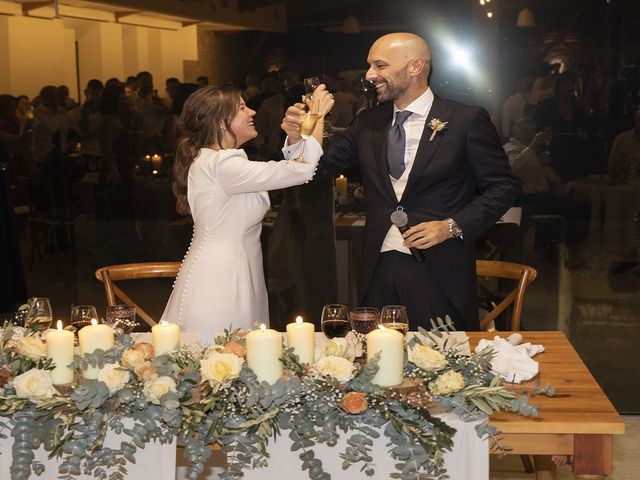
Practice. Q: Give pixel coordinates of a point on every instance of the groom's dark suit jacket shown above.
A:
(463, 174)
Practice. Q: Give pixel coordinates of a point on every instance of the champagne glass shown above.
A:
(122, 317)
(309, 122)
(41, 309)
(335, 320)
(81, 315)
(364, 319)
(395, 317)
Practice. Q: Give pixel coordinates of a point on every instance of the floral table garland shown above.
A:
(206, 395)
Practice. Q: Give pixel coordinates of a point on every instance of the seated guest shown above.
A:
(624, 158)
(544, 191)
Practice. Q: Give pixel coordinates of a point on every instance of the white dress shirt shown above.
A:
(413, 127)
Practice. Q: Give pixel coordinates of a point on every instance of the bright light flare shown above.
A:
(460, 57)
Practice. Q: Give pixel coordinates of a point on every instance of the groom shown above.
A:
(442, 163)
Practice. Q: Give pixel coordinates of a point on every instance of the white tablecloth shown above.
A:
(155, 461)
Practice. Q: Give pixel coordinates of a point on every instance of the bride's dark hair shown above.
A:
(205, 117)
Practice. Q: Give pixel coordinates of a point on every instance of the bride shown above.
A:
(221, 280)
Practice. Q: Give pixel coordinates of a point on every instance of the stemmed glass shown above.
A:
(395, 317)
(81, 315)
(41, 308)
(121, 317)
(364, 319)
(311, 116)
(335, 320)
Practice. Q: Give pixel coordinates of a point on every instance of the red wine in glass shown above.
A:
(364, 319)
(335, 328)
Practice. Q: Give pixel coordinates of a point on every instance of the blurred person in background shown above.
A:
(131, 86)
(624, 158)
(152, 113)
(24, 109)
(202, 81)
(117, 137)
(49, 120)
(172, 132)
(65, 102)
(513, 108)
(251, 87)
(87, 121)
(345, 104)
(171, 85)
(15, 136)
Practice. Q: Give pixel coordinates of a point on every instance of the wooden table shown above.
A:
(580, 420)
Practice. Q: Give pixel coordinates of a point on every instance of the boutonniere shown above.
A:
(436, 125)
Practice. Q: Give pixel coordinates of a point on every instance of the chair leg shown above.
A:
(527, 463)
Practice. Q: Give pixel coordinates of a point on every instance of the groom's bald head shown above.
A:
(403, 48)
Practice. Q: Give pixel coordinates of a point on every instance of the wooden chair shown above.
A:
(513, 271)
(133, 271)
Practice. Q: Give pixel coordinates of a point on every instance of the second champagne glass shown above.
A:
(41, 307)
(395, 317)
(335, 320)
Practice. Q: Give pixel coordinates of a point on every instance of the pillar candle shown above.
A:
(341, 189)
(92, 337)
(264, 350)
(165, 337)
(390, 344)
(60, 350)
(300, 336)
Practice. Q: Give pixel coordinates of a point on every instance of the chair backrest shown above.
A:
(524, 274)
(133, 271)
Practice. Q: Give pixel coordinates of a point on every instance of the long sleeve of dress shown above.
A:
(238, 174)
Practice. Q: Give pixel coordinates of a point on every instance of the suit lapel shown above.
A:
(379, 144)
(427, 149)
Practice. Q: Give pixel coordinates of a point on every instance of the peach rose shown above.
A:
(354, 402)
(145, 371)
(146, 349)
(235, 348)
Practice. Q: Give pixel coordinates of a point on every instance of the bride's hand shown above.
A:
(323, 99)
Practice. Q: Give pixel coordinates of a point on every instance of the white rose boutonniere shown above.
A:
(31, 347)
(426, 358)
(448, 382)
(114, 376)
(35, 384)
(218, 367)
(155, 388)
(337, 367)
(436, 125)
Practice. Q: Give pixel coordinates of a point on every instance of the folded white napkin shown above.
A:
(512, 362)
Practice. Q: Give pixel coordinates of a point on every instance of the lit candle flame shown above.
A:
(382, 327)
(299, 320)
(155, 172)
(59, 325)
(341, 176)
(94, 321)
(263, 326)
(164, 323)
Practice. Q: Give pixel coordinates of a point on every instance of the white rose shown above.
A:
(155, 388)
(426, 357)
(114, 376)
(131, 358)
(219, 367)
(31, 347)
(35, 384)
(337, 367)
(448, 382)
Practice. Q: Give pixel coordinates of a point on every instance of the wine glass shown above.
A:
(395, 317)
(81, 315)
(41, 310)
(335, 320)
(364, 319)
(122, 317)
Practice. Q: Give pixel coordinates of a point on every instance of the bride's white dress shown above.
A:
(221, 281)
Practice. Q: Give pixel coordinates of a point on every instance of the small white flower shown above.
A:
(337, 367)
(35, 384)
(155, 388)
(114, 376)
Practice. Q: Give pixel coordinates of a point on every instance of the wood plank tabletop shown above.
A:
(579, 406)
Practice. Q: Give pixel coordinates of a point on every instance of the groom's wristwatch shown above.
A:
(454, 229)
